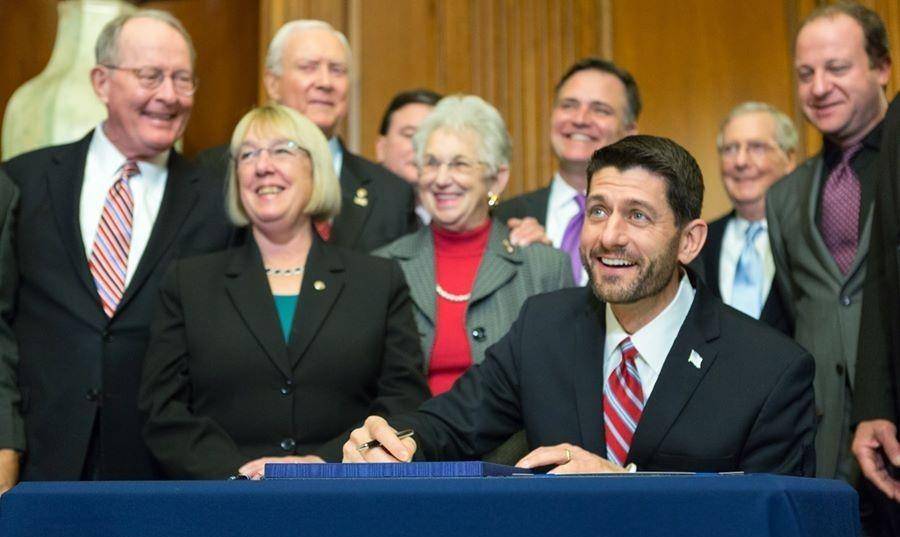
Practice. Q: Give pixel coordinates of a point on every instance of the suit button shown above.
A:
(479, 334)
(845, 301)
(840, 369)
(285, 390)
(92, 395)
(107, 337)
(288, 444)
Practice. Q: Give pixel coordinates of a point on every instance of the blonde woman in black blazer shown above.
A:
(276, 349)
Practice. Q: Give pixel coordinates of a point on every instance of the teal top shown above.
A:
(286, 306)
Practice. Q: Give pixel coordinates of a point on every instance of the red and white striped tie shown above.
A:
(109, 255)
(623, 403)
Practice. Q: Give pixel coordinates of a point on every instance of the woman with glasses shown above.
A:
(467, 281)
(274, 350)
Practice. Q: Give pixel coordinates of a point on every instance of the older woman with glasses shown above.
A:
(274, 350)
(467, 281)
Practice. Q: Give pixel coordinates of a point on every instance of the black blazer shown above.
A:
(749, 406)
(74, 361)
(377, 207)
(774, 312)
(533, 204)
(12, 429)
(877, 392)
(221, 387)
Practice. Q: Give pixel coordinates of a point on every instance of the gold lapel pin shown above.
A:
(362, 197)
(509, 247)
(319, 285)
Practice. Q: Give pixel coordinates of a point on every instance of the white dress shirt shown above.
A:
(561, 208)
(653, 341)
(732, 243)
(337, 155)
(100, 172)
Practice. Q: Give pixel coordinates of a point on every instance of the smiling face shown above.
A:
(314, 77)
(395, 149)
(751, 159)
(452, 185)
(630, 245)
(276, 184)
(589, 113)
(143, 123)
(840, 93)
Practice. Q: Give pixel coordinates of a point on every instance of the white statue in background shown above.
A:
(59, 105)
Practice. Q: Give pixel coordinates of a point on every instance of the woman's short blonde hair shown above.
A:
(277, 121)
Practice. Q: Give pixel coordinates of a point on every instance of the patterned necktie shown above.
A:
(746, 294)
(572, 238)
(839, 219)
(623, 403)
(109, 255)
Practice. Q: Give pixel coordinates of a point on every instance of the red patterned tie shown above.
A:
(623, 403)
(109, 255)
(839, 220)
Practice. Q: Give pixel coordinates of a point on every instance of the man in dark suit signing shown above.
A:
(308, 69)
(644, 368)
(757, 146)
(99, 222)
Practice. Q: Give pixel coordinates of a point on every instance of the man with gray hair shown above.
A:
(757, 146)
(308, 69)
(99, 222)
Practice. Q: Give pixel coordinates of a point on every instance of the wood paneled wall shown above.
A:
(693, 60)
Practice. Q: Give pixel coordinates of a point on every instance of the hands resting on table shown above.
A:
(566, 458)
(255, 468)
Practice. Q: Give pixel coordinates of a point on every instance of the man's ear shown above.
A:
(100, 82)
(693, 237)
(380, 149)
(273, 86)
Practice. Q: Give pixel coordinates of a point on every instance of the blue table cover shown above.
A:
(630, 505)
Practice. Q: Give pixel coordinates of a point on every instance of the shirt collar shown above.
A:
(742, 224)
(872, 140)
(655, 339)
(111, 159)
(561, 193)
(337, 154)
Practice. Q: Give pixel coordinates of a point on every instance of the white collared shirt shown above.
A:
(100, 172)
(653, 341)
(337, 155)
(561, 208)
(732, 244)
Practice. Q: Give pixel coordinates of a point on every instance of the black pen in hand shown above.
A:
(372, 444)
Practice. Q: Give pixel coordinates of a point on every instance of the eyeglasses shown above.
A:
(457, 167)
(151, 78)
(279, 152)
(756, 149)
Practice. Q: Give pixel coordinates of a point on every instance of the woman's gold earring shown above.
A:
(493, 199)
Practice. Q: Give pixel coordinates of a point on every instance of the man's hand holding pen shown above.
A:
(376, 441)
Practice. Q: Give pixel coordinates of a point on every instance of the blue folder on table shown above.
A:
(381, 470)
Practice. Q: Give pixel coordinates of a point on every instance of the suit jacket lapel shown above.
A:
(679, 378)
(64, 182)
(178, 200)
(323, 281)
(249, 290)
(715, 239)
(355, 208)
(416, 257)
(586, 355)
(498, 265)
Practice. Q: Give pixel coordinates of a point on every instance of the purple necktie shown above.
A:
(839, 220)
(572, 238)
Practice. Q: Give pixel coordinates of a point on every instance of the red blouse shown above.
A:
(456, 260)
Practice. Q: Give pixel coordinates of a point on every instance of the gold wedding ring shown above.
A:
(568, 456)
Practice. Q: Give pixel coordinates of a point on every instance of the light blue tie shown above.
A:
(746, 294)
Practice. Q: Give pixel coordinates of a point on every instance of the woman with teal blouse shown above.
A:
(276, 349)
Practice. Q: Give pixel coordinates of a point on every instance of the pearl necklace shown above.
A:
(284, 271)
(450, 296)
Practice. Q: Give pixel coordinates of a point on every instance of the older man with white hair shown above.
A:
(308, 69)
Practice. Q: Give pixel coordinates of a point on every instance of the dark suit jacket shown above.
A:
(748, 407)
(12, 431)
(878, 366)
(221, 387)
(774, 313)
(533, 204)
(377, 207)
(76, 363)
